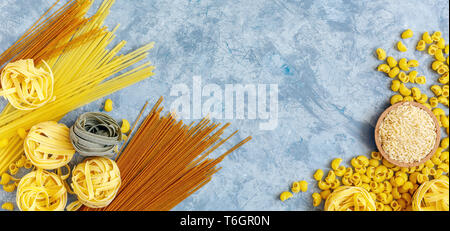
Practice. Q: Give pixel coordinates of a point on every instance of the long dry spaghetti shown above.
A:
(167, 161)
(82, 68)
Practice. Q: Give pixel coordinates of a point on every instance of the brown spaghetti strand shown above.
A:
(166, 161)
(52, 33)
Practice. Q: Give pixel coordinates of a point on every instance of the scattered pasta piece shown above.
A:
(8, 206)
(318, 175)
(346, 198)
(391, 61)
(22, 133)
(401, 47)
(407, 133)
(96, 181)
(303, 186)
(427, 38)
(432, 196)
(4, 142)
(407, 34)
(95, 134)
(41, 191)
(403, 64)
(381, 54)
(393, 72)
(48, 145)
(421, 45)
(108, 105)
(285, 195)
(317, 199)
(25, 86)
(125, 126)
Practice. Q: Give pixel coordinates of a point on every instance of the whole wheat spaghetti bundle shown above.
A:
(167, 161)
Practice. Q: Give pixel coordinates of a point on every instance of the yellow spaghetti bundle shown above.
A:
(96, 182)
(84, 71)
(432, 196)
(25, 86)
(48, 145)
(347, 198)
(41, 191)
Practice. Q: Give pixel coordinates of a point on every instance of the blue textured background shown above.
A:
(320, 53)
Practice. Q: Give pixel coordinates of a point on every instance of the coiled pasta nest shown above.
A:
(48, 145)
(96, 181)
(432, 196)
(348, 198)
(95, 134)
(25, 86)
(41, 191)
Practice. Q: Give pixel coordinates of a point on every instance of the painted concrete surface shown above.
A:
(320, 55)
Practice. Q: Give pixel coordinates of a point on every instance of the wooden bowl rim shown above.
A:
(398, 163)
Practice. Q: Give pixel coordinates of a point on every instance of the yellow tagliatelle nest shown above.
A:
(25, 86)
(48, 145)
(348, 198)
(41, 191)
(432, 196)
(96, 182)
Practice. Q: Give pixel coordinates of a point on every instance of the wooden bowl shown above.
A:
(398, 163)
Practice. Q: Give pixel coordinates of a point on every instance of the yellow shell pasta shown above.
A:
(96, 181)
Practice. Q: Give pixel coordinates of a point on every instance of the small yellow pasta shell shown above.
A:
(444, 79)
(427, 38)
(393, 72)
(441, 43)
(376, 155)
(439, 55)
(402, 76)
(416, 93)
(303, 186)
(436, 64)
(395, 85)
(404, 90)
(285, 195)
(324, 194)
(433, 101)
(295, 188)
(436, 36)
(421, 45)
(445, 143)
(335, 163)
(317, 199)
(383, 68)
(408, 99)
